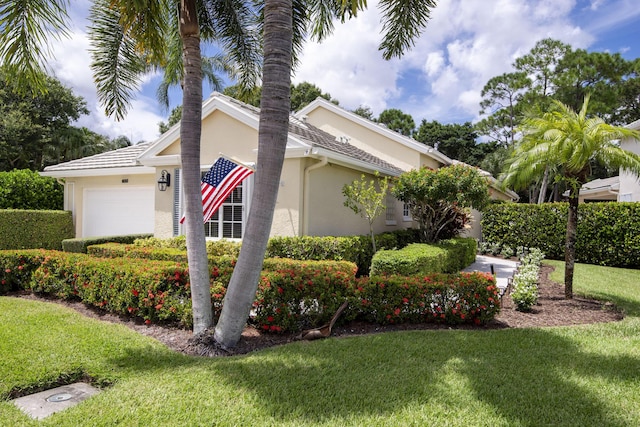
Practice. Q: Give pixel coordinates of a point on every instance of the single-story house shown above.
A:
(622, 188)
(119, 192)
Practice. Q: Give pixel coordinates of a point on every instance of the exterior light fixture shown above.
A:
(164, 181)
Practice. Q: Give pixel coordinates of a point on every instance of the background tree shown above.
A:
(438, 199)
(33, 126)
(551, 71)
(251, 96)
(173, 119)
(305, 93)
(364, 111)
(366, 197)
(456, 141)
(572, 142)
(397, 121)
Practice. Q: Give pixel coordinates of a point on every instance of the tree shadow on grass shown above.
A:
(516, 377)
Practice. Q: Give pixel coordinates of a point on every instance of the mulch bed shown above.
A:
(552, 310)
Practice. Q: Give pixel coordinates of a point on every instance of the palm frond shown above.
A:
(116, 63)
(27, 29)
(403, 22)
(234, 25)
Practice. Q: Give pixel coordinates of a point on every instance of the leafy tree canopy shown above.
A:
(438, 198)
(397, 121)
(32, 125)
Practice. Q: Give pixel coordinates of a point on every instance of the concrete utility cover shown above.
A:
(45, 403)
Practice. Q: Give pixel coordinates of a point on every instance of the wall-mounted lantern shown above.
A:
(164, 181)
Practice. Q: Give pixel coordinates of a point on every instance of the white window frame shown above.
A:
(390, 211)
(406, 213)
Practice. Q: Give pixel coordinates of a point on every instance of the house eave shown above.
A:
(78, 173)
(375, 127)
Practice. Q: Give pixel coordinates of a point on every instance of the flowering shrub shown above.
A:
(445, 298)
(302, 294)
(17, 266)
(292, 295)
(524, 292)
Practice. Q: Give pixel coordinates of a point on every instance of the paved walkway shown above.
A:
(503, 269)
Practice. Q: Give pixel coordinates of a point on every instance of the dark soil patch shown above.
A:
(552, 310)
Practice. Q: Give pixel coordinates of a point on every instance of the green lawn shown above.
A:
(582, 375)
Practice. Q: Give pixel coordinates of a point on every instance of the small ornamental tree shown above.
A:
(366, 197)
(439, 200)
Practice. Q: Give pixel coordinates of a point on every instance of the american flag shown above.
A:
(218, 183)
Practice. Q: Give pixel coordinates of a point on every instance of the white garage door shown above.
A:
(118, 211)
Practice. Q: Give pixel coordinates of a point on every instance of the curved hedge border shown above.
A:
(608, 233)
(292, 295)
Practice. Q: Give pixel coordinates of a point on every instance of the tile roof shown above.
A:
(122, 157)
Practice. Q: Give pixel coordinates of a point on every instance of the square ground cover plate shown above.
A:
(45, 403)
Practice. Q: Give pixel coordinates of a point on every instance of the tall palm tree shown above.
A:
(285, 23)
(128, 40)
(570, 142)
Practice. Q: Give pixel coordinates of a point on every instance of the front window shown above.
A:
(228, 221)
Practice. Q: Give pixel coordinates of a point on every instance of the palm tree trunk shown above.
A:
(190, 131)
(570, 246)
(543, 186)
(272, 140)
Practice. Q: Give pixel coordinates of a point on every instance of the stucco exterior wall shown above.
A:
(327, 215)
(629, 182)
(286, 217)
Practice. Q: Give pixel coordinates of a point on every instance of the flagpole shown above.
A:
(224, 156)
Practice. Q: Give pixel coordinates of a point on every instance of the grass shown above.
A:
(581, 375)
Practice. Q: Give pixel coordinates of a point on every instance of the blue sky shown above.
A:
(465, 44)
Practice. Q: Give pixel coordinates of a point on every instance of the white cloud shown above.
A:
(71, 65)
(464, 45)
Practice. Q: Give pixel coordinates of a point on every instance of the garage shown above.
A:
(116, 211)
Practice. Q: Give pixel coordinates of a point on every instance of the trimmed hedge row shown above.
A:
(356, 249)
(31, 229)
(440, 298)
(292, 295)
(608, 233)
(80, 245)
(448, 256)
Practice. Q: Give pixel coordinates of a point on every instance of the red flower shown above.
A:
(147, 322)
(405, 300)
(134, 292)
(396, 311)
(270, 319)
(280, 290)
(158, 307)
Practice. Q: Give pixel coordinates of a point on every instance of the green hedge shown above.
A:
(440, 298)
(448, 256)
(608, 233)
(293, 295)
(26, 189)
(80, 245)
(356, 249)
(31, 229)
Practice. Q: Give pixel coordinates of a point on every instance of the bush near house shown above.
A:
(293, 294)
(80, 245)
(608, 233)
(440, 298)
(447, 256)
(31, 229)
(26, 189)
